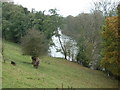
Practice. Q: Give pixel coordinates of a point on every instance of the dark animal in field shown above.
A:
(13, 63)
(33, 59)
(35, 62)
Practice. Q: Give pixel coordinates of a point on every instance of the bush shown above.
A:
(34, 43)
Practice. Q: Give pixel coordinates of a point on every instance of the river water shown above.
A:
(64, 39)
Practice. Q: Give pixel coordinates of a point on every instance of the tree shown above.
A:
(63, 48)
(110, 52)
(118, 8)
(52, 23)
(46, 23)
(81, 56)
(34, 43)
(107, 7)
(85, 29)
(15, 22)
(67, 46)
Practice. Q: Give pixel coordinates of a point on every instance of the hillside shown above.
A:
(52, 73)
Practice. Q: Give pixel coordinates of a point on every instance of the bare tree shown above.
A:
(6, 0)
(107, 7)
(62, 47)
(68, 47)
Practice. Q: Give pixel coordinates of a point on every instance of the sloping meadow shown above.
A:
(52, 72)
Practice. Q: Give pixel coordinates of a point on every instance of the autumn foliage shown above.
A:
(111, 42)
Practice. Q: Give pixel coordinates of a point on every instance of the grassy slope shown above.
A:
(52, 75)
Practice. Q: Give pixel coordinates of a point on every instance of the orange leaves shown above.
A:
(112, 25)
(111, 52)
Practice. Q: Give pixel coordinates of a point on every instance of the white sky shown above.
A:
(65, 7)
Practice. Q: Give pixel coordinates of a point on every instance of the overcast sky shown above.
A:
(65, 7)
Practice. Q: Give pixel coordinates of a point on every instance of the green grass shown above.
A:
(52, 73)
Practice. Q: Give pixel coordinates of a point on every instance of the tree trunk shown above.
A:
(65, 53)
(65, 56)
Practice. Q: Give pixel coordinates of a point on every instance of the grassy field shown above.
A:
(52, 73)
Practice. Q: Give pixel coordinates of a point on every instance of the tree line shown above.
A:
(17, 20)
(97, 36)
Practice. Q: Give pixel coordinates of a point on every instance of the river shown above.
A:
(71, 47)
